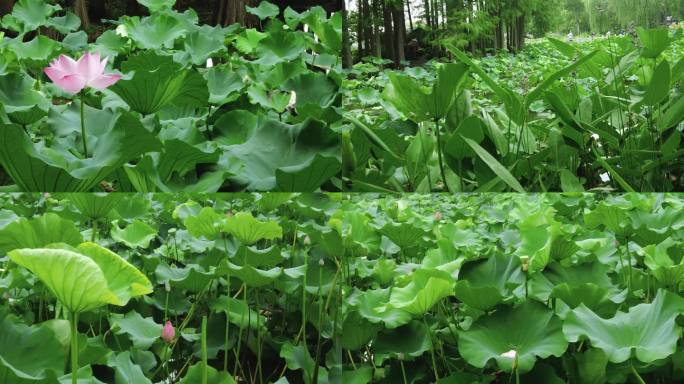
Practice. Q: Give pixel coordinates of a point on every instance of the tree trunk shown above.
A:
(360, 31)
(388, 35)
(399, 31)
(408, 6)
(428, 20)
(81, 10)
(347, 61)
(375, 43)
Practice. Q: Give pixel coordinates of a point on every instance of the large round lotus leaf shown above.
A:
(666, 261)
(157, 5)
(190, 278)
(143, 332)
(249, 230)
(238, 312)
(157, 31)
(357, 331)
(194, 375)
(484, 283)
(93, 205)
(138, 234)
(279, 46)
(274, 150)
(206, 223)
(373, 305)
(404, 235)
(394, 343)
(33, 13)
(159, 81)
(85, 278)
(264, 11)
(267, 257)
(298, 358)
(125, 371)
(39, 232)
(532, 330)
(204, 42)
(20, 100)
(39, 167)
(28, 353)
(41, 48)
(647, 331)
(427, 287)
(251, 276)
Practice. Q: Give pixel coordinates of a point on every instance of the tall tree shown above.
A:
(347, 60)
(81, 10)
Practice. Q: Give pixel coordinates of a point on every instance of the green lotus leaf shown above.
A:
(39, 167)
(531, 330)
(251, 276)
(203, 43)
(249, 230)
(405, 235)
(312, 88)
(265, 10)
(329, 31)
(143, 332)
(93, 205)
(40, 48)
(267, 257)
(238, 312)
(21, 102)
(427, 287)
(297, 357)
(86, 277)
(393, 343)
(159, 30)
(248, 40)
(270, 201)
(65, 24)
(137, 234)
(484, 283)
(223, 84)
(374, 306)
(279, 46)
(125, 371)
(648, 332)
(666, 261)
(190, 278)
(33, 13)
(357, 332)
(39, 232)
(274, 146)
(195, 375)
(158, 81)
(207, 223)
(28, 354)
(157, 5)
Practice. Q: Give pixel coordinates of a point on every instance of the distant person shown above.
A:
(593, 36)
(571, 37)
(412, 49)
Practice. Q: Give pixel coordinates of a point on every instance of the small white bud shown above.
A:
(210, 63)
(510, 354)
(321, 262)
(605, 177)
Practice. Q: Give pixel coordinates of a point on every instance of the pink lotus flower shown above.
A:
(73, 76)
(168, 333)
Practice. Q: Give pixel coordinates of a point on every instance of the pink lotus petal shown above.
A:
(66, 64)
(104, 81)
(89, 66)
(71, 83)
(55, 74)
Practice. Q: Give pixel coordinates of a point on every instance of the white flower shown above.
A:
(121, 30)
(510, 354)
(293, 100)
(605, 177)
(210, 63)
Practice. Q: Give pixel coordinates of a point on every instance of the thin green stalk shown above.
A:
(403, 371)
(74, 347)
(636, 374)
(258, 332)
(83, 134)
(439, 155)
(432, 350)
(93, 235)
(204, 350)
(239, 344)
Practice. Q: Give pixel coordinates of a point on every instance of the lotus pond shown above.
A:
(602, 115)
(177, 106)
(335, 288)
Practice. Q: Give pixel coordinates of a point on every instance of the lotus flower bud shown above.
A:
(401, 356)
(210, 63)
(307, 240)
(525, 263)
(167, 286)
(438, 216)
(168, 333)
(321, 262)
